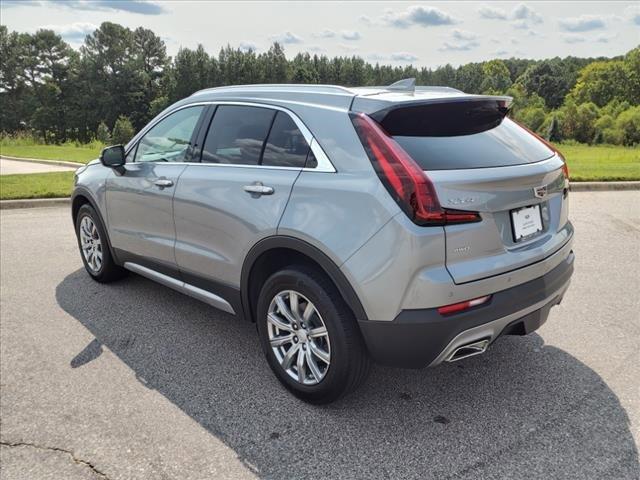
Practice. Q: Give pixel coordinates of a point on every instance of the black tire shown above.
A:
(349, 363)
(108, 271)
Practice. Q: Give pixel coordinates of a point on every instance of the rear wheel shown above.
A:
(310, 336)
(94, 247)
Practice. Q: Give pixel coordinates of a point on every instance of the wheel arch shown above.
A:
(82, 197)
(270, 252)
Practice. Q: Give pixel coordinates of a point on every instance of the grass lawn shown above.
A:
(605, 163)
(36, 185)
(67, 153)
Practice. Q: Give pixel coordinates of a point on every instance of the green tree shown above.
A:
(122, 131)
(554, 133)
(628, 124)
(496, 77)
(602, 82)
(102, 133)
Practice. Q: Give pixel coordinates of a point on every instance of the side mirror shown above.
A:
(113, 156)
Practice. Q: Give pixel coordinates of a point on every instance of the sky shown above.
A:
(425, 34)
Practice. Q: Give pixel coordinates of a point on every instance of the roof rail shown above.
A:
(280, 87)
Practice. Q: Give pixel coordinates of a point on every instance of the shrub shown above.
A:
(122, 131)
(102, 134)
(628, 126)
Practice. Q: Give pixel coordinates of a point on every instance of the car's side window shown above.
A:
(169, 140)
(237, 134)
(286, 145)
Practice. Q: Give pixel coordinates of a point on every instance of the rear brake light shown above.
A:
(565, 167)
(462, 306)
(409, 186)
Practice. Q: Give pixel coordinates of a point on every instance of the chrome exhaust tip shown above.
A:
(468, 350)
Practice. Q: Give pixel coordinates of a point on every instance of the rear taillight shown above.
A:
(409, 186)
(462, 306)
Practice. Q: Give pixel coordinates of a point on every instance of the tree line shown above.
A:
(121, 78)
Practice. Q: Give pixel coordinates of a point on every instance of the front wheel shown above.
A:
(309, 335)
(94, 247)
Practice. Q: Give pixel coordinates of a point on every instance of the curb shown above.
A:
(59, 163)
(33, 203)
(603, 186)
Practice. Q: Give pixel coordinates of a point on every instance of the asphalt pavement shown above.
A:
(135, 381)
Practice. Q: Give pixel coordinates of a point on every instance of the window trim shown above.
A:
(324, 164)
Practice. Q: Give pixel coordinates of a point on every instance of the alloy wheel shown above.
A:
(298, 337)
(91, 244)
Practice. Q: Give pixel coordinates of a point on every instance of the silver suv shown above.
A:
(406, 225)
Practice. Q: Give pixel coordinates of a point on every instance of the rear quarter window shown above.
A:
(286, 145)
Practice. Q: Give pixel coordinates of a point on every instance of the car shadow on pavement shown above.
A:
(522, 410)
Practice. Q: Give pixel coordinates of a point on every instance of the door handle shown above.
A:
(163, 182)
(258, 189)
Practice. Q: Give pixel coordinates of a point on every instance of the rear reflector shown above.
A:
(462, 306)
(409, 186)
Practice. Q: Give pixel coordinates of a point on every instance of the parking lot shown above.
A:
(135, 381)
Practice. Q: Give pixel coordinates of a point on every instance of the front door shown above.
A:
(140, 196)
(251, 158)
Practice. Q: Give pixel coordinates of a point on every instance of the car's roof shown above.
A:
(359, 99)
(325, 95)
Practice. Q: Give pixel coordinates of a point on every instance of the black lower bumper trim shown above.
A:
(416, 337)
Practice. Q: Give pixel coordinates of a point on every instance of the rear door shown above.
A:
(140, 196)
(250, 159)
(480, 161)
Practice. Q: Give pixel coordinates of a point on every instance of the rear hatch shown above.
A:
(478, 160)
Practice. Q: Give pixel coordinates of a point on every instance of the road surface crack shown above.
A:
(75, 459)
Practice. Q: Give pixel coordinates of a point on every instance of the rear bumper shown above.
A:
(420, 338)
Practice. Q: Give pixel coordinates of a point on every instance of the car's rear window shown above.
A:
(463, 135)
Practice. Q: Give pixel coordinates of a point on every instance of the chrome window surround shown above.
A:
(324, 164)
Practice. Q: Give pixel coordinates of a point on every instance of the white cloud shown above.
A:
(501, 53)
(583, 23)
(573, 38)
(347, 48)
(286, 38)
(525, 12)
(73, 32)
(458, 47)
(326, 33)
(633, 13)
(350, 35)
(366, 19)
(403, 57)
(492, 13)
(463, 35)
(248, 46)
(417, 15)
(462, 41)
(604, 38)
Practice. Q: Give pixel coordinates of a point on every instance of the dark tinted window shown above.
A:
(286, 146)
(169, 140)
(503, 145)
(236, 135)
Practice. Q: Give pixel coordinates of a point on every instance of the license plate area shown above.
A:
(526, 222)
